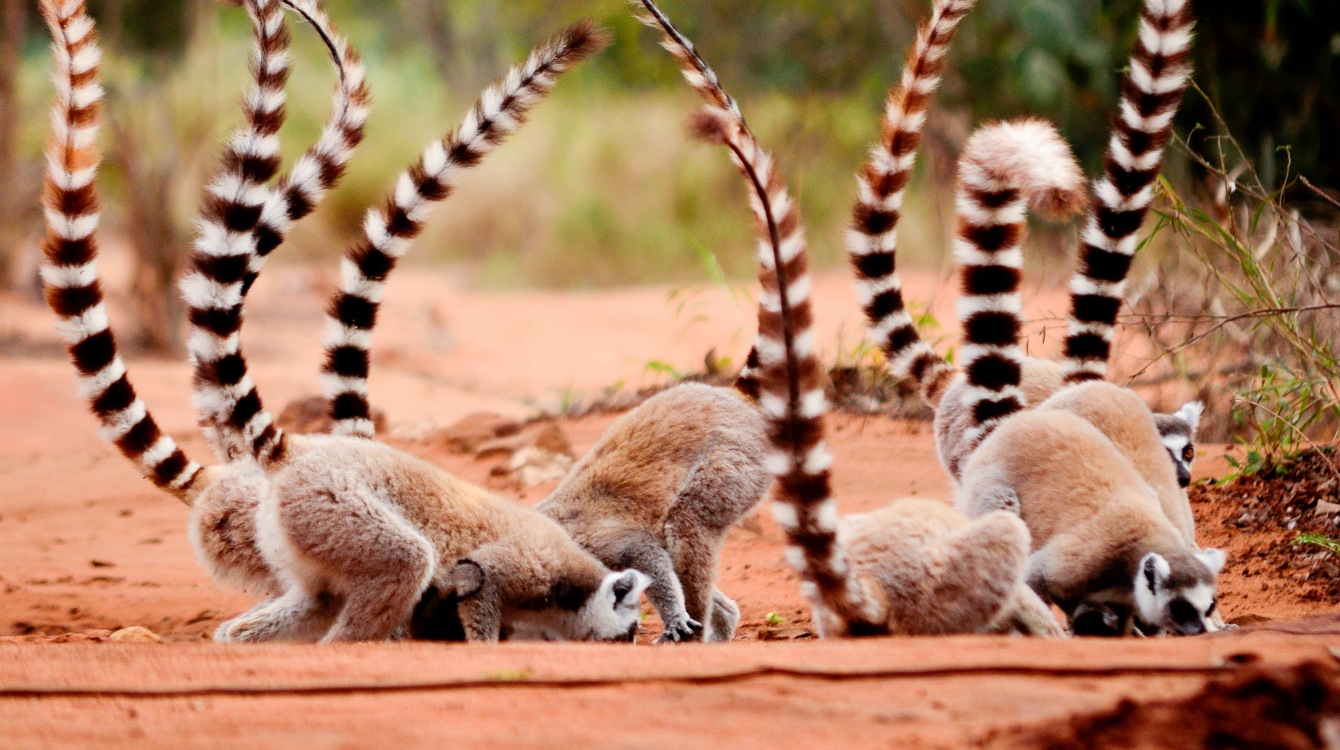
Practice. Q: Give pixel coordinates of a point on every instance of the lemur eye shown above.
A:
(1188, 453)
(1214, 604)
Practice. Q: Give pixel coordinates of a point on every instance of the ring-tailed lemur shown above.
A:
(1103, 544)
(664, 485)
(914, 567)
(1152, 88)
(354, 531)
(1178, 431)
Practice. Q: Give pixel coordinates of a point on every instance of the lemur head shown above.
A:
(1178, 433)
(1175, 594)
(583, 609)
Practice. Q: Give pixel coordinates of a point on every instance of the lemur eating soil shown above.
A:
(915, 566)
(349, 533)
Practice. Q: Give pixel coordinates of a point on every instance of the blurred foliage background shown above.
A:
(603, 187)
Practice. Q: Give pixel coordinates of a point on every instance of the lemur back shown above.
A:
(919, 568)
(350, 531)
(660, 492)
(1100, 537)
(1151, 91)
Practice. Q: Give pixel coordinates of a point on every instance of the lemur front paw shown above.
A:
(681, 628)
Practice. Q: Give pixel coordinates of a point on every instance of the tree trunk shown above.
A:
(434, 18)
(12, 191)
(155, 240)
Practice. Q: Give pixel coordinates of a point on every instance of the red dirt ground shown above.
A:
(86, 547)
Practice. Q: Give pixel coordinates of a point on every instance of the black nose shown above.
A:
(1191, 628)
(1183, 475)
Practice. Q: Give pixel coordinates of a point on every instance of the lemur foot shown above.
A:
(681, 628)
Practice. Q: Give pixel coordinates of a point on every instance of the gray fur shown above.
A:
(1089, 511)
(351, 535)
(659, 493)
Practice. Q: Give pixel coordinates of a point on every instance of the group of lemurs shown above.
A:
(1069, 491)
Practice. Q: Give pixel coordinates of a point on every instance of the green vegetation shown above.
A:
(603, 188)
(1316, 540)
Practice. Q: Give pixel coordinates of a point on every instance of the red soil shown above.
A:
(87, 547)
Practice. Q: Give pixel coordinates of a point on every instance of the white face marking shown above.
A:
(606, 616)
(1175, 611)
(616, 609)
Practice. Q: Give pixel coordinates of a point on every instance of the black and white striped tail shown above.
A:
(320, 169)
(789, 376)
(1158, 75)
(1005, 168)
(388, 231)
(236, 418)
(225, 398)
(872, 242)
(69, 266)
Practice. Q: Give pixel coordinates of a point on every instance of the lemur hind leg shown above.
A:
(724, 619)
(623, 548)
(357, 546)
(983, 564)
(297, 615)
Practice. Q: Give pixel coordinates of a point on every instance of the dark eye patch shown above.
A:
(1182, 612)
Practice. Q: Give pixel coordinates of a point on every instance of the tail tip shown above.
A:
(585, 38)
(711, 126)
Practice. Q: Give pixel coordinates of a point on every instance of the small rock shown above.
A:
(310, 416)
(135, 634)
(546, 436)
(534, 466)
(468, 434)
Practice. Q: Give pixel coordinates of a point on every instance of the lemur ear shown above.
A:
(1191, 413)
(1213, 558)
(1155, 570)
(628, 585)
(467, 578)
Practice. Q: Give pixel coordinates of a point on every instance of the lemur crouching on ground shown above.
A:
(351, 533)
(914, 567)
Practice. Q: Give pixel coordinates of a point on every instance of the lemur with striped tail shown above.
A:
(914, 567)
(666, 482)
(1076, 468)
(354, 532)
(1151, 91)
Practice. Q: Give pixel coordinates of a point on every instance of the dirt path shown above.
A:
(87, 547)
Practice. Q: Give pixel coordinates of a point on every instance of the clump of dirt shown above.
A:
(1279, 709)
(1256, 517)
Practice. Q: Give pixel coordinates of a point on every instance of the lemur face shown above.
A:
(1178, 433)
(610, 613)
(1177, 601)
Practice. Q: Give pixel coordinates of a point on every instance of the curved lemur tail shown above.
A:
(320, 169)
(872, 242)
(388, 231)
(243, 221)
(1005, 168)
(70, 250)
(789, 378)
(1152, 89)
